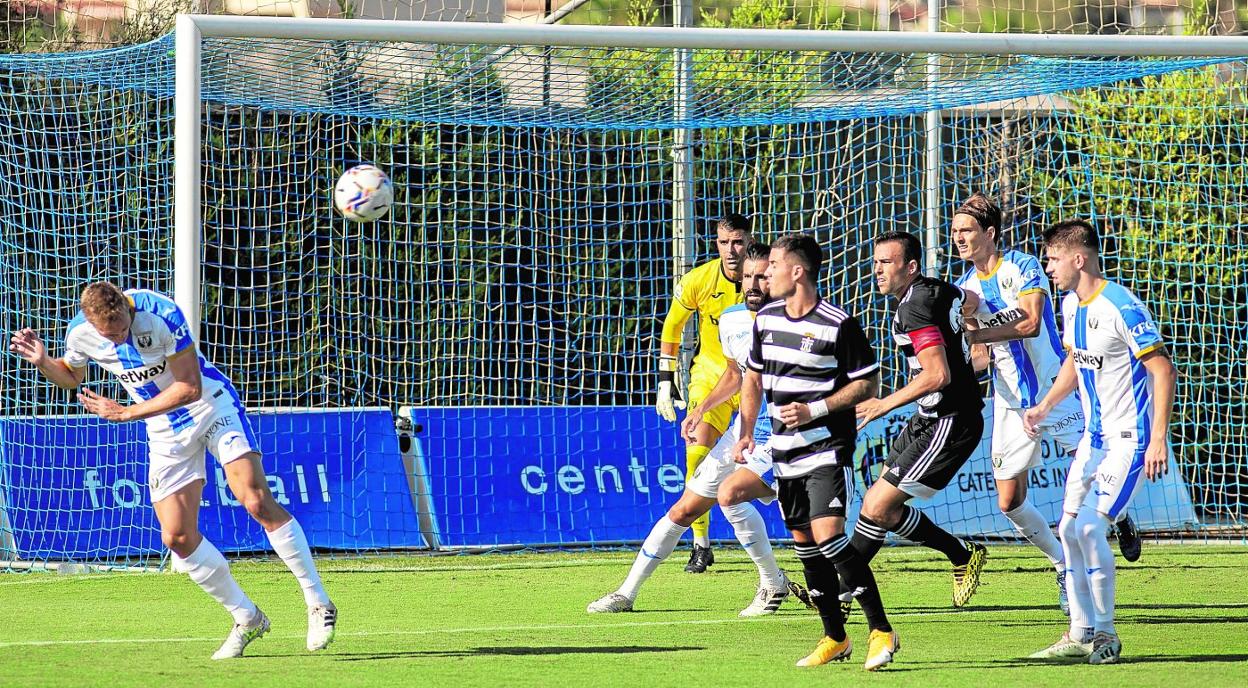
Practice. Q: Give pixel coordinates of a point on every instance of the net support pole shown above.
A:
(186, 161)
(932, 155)
(682, 149)
(683, 231)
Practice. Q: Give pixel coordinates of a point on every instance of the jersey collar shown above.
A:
(993, 271)
(1090, 299)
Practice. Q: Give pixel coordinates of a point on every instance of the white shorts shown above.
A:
(173, 464)
(718, 465)
(1105, 479)
(1014, 453)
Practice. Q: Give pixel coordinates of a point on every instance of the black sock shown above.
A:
(857, 578)
(822, 581)
(868, 538)
(918, 528)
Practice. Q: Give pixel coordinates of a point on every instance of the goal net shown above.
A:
(551, 185)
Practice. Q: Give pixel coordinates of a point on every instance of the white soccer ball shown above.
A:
(363, 193)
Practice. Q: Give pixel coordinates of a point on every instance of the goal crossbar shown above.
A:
(722, 39)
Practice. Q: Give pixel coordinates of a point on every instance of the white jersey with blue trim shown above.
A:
(736, 336)
(141, 363)
(1024, 369)
(1107, 335)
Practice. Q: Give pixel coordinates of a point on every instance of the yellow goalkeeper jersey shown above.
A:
(706, 290)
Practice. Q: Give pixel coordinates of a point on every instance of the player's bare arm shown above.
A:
(849, 396)
(1026, 327)
(1062, 387)
(187, 387)
(933, 377)
(727, 385)
(981, 358)
(27, 344)
(751, 402)
(1165, 376)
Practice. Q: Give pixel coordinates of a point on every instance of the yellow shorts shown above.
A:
(702, 380)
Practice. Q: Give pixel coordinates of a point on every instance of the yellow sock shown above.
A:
(694, 456)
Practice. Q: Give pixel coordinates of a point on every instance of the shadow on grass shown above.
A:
(1203, 609)
(512, 651)
(1014, 663)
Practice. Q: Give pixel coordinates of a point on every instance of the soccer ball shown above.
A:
(363, 193)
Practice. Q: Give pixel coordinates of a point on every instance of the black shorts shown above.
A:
(822, 492)
(930, 451)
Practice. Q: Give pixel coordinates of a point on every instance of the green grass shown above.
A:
(519, 620)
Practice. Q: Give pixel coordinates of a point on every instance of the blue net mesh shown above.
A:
(528, 260)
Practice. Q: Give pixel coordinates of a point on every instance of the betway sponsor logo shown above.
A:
(134, 377)
(1006, 316)
(1084, 359)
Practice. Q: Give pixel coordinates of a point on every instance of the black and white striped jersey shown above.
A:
(804, 360)
(930, 314)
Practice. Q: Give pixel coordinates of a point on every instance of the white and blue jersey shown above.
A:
(141, 363)
(1107, 336)
(736, 336)
(736, 331)
(1024, 368)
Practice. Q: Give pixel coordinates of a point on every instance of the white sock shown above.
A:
(1094, 532)
(658, 545)
(751, 532)
(211, 572)
(702, 540)
(1077, 589)
(292, 546)
(1032, 525)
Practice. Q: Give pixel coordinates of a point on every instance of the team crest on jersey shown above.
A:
(1093, 322)
(144, 340)
(808, 343)
(1007, 284)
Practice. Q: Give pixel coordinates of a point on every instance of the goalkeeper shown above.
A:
(708, 290)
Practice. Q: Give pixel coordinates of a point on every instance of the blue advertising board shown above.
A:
(75, 487)
(562, 475)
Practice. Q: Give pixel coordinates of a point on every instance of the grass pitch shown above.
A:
(519, 620)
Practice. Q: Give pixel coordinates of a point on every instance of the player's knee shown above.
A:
(180, 541)
(1067, 529)
(881, 513)
(260, 504)
(683, 514)
(1092, 525)
(1008, 502)
(730, 496)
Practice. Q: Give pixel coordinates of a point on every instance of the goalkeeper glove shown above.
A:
(669, 397)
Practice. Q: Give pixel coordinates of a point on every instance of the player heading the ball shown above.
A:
(190, 408)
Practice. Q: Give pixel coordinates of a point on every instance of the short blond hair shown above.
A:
(104, 302)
